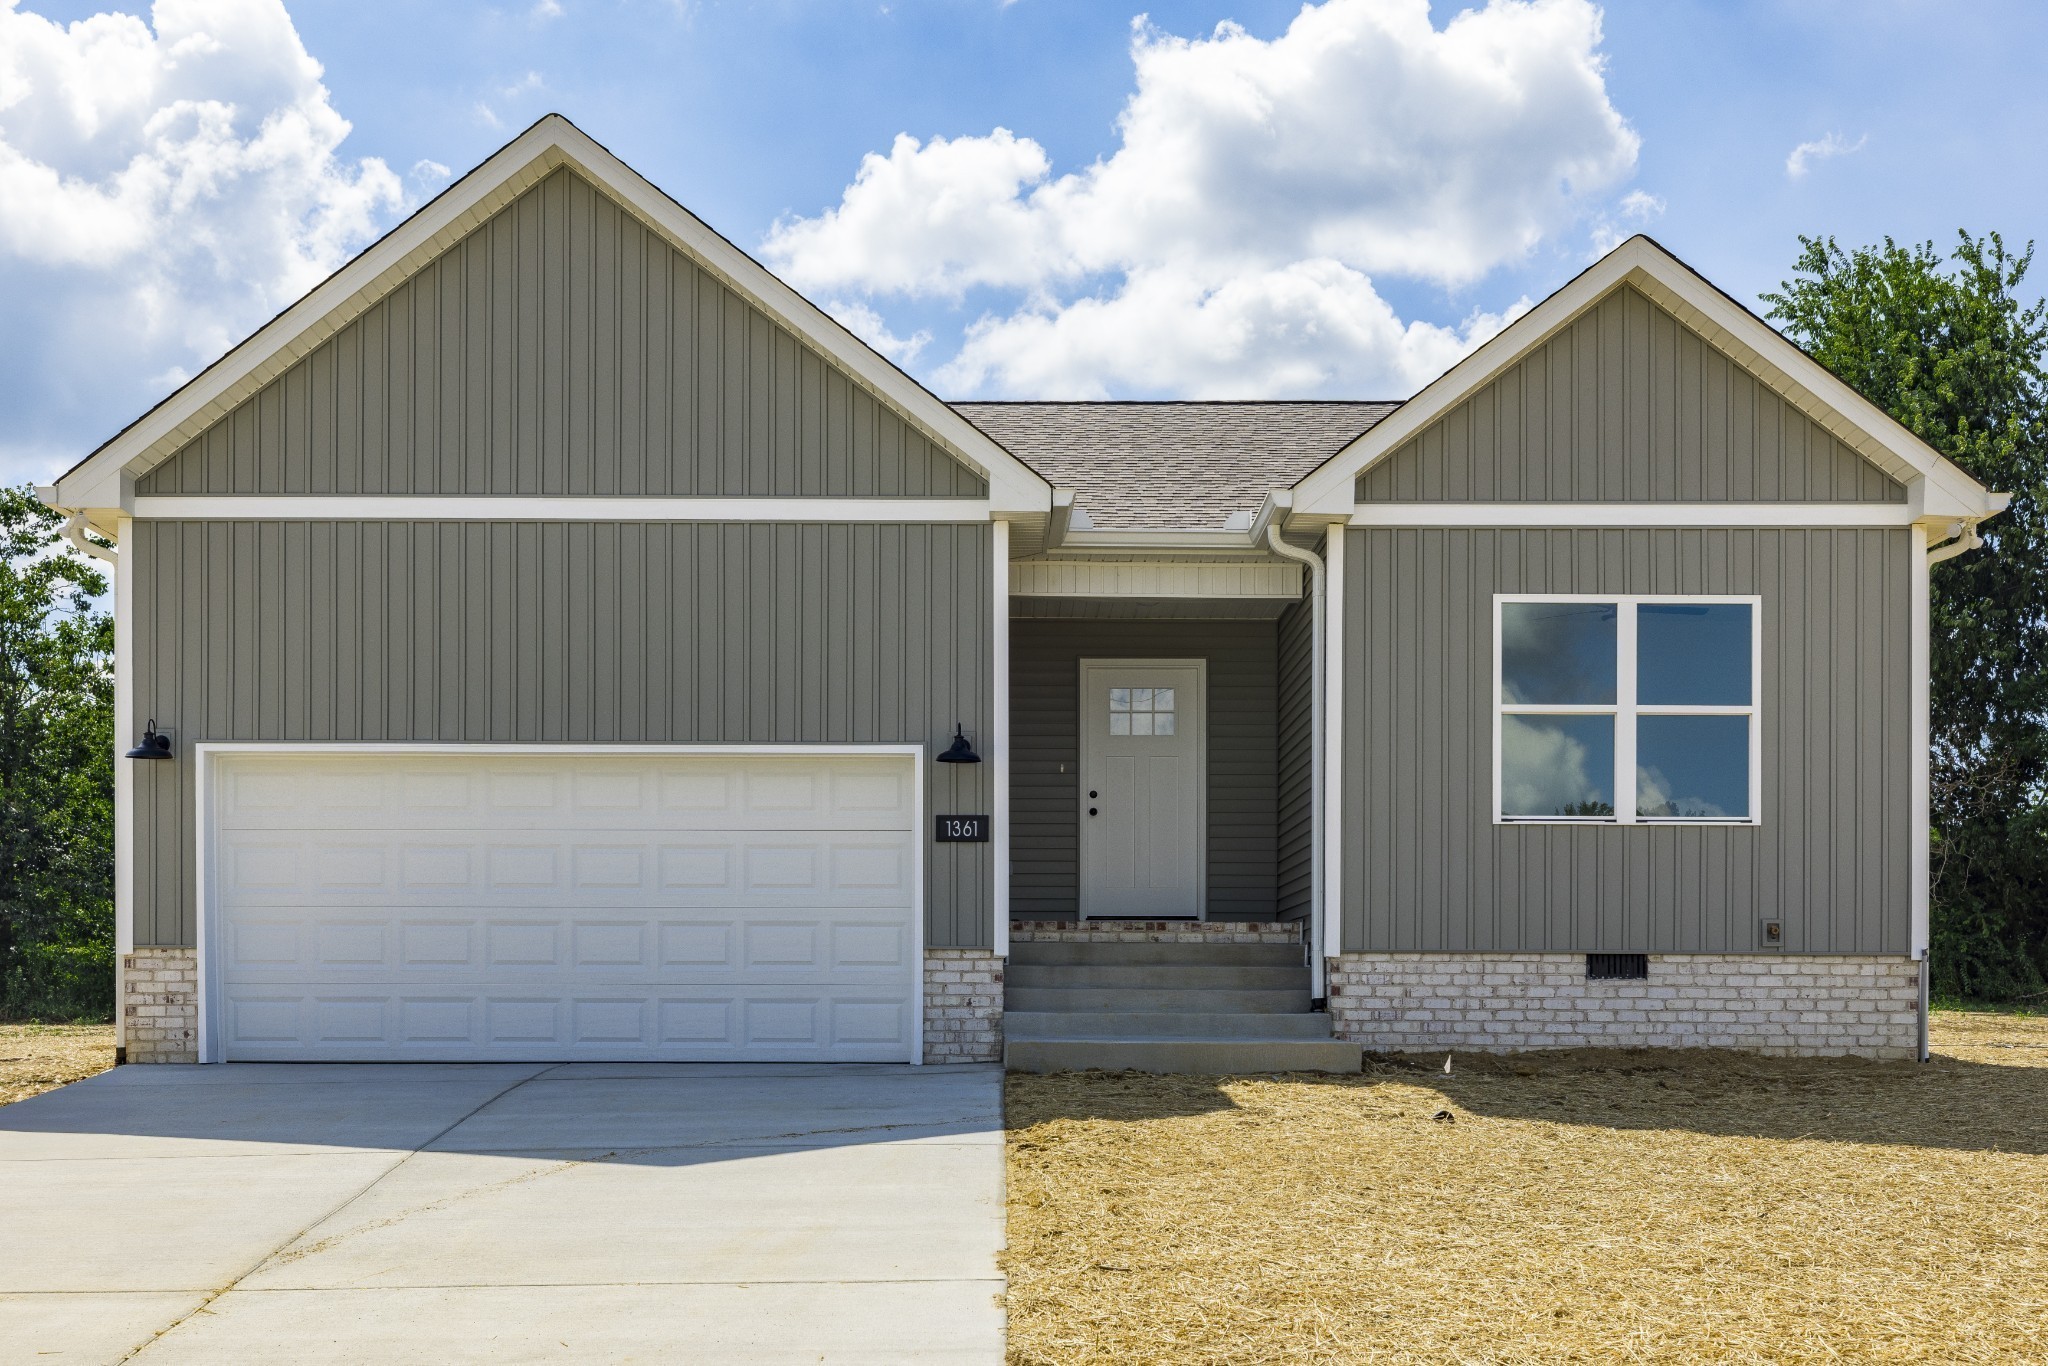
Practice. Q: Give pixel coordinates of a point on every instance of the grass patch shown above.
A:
(1609, 1206)
(37, 1057)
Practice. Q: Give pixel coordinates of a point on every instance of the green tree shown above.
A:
(1949, 347)
(56, 773)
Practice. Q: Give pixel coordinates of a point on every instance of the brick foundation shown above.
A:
(1502, 1003)
(160, 1005)
(1155, 931)
(963, 1005)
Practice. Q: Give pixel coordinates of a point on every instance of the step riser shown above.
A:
(1153, 999)
(1148, 976)
(1223, 955)
(1124, 1024)
(1215, 1057)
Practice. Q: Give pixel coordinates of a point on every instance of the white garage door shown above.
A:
(572, 907)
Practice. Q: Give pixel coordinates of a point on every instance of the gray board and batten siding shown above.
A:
(561, 632)
(1045, 686)
(564, 349)
(1428, 869)
(1296, 815)
(1625, 404)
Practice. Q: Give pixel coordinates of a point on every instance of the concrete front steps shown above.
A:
(1165, 1007)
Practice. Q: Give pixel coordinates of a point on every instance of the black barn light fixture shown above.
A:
(153, 745)
(959, 752)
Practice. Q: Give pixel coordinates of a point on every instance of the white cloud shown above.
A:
(164, 187)
(1229, 244)
(1821, 149)
(544, 10)
(1632, 213)
(869, 326)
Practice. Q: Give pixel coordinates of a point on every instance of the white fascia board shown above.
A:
(1634, 514)
(435, 508)
(1761, 349)
(548, 144)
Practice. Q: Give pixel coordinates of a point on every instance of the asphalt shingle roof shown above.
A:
(1178, 466)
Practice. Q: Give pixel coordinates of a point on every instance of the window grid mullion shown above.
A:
(1624, 713)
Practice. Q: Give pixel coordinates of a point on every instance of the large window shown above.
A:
(1627, 710)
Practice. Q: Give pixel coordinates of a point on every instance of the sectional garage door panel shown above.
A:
(616, 907)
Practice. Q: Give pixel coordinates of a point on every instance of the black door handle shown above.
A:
(1091, 796)
(1091, 810)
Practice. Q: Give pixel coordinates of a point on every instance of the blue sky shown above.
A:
(1678, 120)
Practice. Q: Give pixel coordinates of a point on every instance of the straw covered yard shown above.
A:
(1571, 1207)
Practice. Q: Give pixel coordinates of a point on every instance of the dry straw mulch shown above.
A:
(37, 1058)
(1577, 1207)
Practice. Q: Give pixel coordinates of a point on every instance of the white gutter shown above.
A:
(1318, 955)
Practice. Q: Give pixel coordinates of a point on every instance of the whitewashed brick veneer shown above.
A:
(160, 1005)
(1500, 1003)
(1155, 931)
(963, 1005)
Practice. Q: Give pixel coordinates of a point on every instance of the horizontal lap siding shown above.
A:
(1045, 672)
(563, 349)
(1426, 868)
(1626, 404)
(578, 632)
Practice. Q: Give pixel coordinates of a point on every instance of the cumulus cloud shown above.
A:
(165, 185)
(1820, 149)
(1229, 244)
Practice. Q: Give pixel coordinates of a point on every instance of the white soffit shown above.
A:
(1937, 487)
(104, 479)
(1113, 579)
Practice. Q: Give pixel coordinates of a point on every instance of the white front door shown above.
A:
(1141, 788)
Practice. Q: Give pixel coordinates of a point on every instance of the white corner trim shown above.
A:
(1753, 343)
(204, 779)
(1119, 579)
(124, 769)
(434, 508)
(1334, 705)
(1919, 729)
(1575, 515)
(548, 144)
(999, 804)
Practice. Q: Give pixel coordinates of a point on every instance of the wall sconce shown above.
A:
(959, 752)
(155, 744)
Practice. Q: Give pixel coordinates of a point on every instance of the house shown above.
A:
(554, 638)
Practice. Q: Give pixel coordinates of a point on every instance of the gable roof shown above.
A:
(1937, 487)
(103, 479)
(1173, 465)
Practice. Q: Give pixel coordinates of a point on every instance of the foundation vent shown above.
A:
(1617, 967)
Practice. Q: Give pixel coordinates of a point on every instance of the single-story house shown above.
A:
(555, 638)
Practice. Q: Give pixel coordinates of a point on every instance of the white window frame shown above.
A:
(1625, 708)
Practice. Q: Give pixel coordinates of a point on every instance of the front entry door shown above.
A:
(1142, 781)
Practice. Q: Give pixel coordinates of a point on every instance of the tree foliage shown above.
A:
(1949, 347)
(56, 773)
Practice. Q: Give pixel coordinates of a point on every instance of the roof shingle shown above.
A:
(1172, 466)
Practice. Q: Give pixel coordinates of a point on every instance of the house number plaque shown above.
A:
(963, 830)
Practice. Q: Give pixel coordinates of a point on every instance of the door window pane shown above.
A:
(1162, 699)
(1557, 653)
(1141, 723)
(1119, 723)
(1162, 723)
(1693, 654)
(1693, 767)
(1557, 765)
(1119, 699)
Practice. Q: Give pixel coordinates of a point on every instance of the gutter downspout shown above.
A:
(1318, 957)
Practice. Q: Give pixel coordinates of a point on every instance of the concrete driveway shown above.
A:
(504, 1213)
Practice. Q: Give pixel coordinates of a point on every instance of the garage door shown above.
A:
(564, 907)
